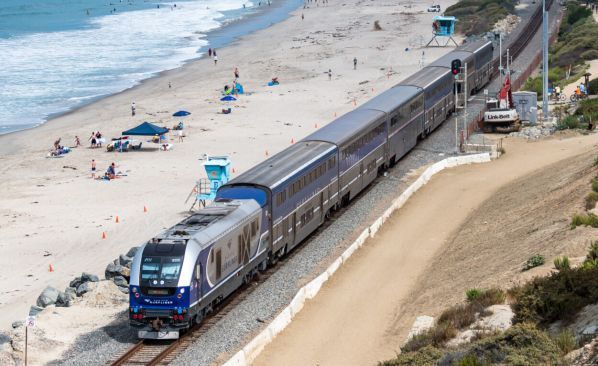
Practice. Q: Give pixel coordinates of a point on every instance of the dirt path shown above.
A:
(364, 312)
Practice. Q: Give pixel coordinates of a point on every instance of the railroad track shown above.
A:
(153, 352)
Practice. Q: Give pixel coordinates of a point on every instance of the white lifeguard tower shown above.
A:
(443, 26)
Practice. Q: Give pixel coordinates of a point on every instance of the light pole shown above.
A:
(544, 61)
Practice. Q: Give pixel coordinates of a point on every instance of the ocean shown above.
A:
(56, 55)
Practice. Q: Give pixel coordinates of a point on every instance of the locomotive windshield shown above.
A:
(165, 269)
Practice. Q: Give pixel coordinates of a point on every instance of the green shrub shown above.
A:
(459, 316)
(479, 16)
(559, 296)
(591, 260)
(435, 336)
(590, 55)
(534, 85)
(593, 87)
(591, 200)
(470, 360)
(584, 220)
(426, 356)
(595, 185)
(568, 123)
(562, 263)
(576, 12)
(566, 341)
(533, 261)
(473, 293)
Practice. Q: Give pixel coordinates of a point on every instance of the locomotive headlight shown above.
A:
(136, 295)
(134, 289)
(179, 296)
(182, 291)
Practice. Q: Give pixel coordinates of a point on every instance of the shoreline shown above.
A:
(241, 27)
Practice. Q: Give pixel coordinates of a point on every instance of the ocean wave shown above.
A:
(47, 73)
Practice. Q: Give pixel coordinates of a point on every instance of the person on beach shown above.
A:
(329, 74)
(210, 52)
(169, 85)
(57, 144)
(236, 73)
(133, 109)
(98, 139)
(214, 52)
(180, 133)
(215, 60)
(302, 16)
(77, 141)
(354, 63)
(93, 169)
(93, 140)
(111, 171)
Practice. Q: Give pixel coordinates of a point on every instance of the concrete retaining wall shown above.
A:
(250, 352)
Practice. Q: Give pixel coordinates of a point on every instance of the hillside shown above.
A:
(478, 16)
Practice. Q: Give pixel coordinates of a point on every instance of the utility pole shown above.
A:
(500, 58)
(544, 61)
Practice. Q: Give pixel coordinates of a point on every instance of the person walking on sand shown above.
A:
(93, 139)
(214, 52)
(329, 74)
(236, 73)
(354, 63)
(93, 169)
(133, 109)
(302, 16)
(215, 60)
(180, 133)
(77, 141)
(210, 52)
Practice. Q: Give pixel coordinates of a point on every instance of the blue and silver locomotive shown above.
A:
(178, 276)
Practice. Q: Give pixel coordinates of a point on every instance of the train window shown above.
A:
(254, 228)
(394, 120)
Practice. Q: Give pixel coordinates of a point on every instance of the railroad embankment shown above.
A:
(534, 245)
(469, 227)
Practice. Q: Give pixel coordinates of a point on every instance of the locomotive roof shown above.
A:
(209, 222)
(289, 161)
(445, 61)
(426, 76)
(392, 98)
(347, 126)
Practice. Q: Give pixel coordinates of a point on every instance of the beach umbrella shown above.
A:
(228, 98)
(181, 114)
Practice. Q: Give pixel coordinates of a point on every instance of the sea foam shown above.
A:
(47, 73)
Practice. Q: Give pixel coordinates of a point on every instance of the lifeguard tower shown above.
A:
(443, 27)
(218, 172)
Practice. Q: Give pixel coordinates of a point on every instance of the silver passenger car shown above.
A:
(360, 137)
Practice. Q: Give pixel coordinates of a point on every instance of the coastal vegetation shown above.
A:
(577, 43)
(479, 16)
(536, 304)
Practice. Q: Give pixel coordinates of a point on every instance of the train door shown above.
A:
(293, 228)
(322, 213)
(218, 264)
(285, 230)
(361, 179)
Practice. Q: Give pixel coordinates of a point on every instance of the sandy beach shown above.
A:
(53, 213)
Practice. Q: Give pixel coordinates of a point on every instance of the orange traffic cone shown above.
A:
(234, 171)
(103, 235)
(116, 220)
(266, 152)
(144, 208)
(50, 268)
(316, 125)
(354, 102)
(334, 114)
(292, 141)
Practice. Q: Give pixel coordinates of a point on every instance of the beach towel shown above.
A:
(271, 83)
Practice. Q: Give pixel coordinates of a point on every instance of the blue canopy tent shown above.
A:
(146, 129)
(181, 114)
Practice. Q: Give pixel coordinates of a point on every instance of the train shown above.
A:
(178, 277)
